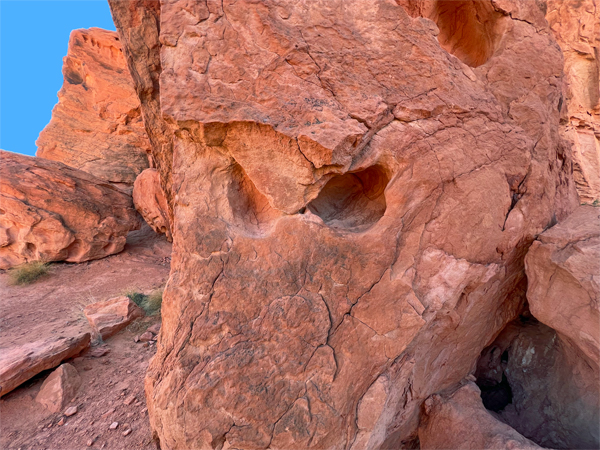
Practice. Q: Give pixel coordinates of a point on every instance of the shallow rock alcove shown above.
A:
(352, 200)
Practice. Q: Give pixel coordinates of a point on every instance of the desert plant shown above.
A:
(28, 273)
(149, 303)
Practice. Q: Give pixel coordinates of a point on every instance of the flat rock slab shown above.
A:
(111, 316)
(19, 364)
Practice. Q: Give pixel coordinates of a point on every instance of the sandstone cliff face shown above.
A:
(52, 212)
(355, 192)
(576, 26)
(97, 125)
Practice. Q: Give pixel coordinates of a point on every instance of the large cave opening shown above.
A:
(352, 200)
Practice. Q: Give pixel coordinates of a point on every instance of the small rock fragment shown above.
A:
(108, 413)
(147, 336)
(61, 422)
(98, 352)
(129, 400)
(154, 329)
(127, 432)
(71, 411)
(114, 426)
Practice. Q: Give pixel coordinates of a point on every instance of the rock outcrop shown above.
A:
(576, 26)
(52, 212)
(138, 22)
(19, 364)
(110, 316)
(563, 270)
(356, 189)
(150, 201)
(59, 388)
(97, 124)
(458, 420)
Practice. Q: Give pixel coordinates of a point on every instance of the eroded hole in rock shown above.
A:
(250, 208)
(469, 29)
(353, 200)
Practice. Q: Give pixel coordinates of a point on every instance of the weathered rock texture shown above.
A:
(52, 212)
(19, 364)
(576, 25)
(150, 201)
(542, 386)
(458, 420)
(97, 125)
(138, 22)
(353, 205)
(110, 316)
(59, 388)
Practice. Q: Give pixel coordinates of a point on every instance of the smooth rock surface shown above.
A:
(576, 26)
(150, 201)
(458, 420)
(97, 124)
(563, 270)
(52, 212)
(353, 205)
(59, 388)
(110, 316)
(19, 364)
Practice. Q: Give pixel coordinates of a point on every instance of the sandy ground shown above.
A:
(55, 302)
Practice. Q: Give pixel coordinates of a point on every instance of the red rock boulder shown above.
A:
(150, 201)
(59, 388)
(97, 124)
(111, 316)
(353, 198)
(52, 212)
(563, 271)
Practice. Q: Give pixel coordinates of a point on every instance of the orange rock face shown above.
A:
(52, 212)
(97, 125)
(576, 25)
(138, 22)
(356, 189)
(150, 201)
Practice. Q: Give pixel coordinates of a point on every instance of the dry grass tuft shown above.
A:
(28, 273)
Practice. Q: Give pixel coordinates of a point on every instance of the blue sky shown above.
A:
(33, 40)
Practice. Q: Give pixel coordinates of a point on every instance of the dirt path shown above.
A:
(56, 302)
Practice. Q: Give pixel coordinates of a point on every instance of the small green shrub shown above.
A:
(28, 273)
(149, 303)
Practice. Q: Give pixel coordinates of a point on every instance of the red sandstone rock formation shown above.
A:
(150, 201)
(576, 25)
(52, 212)
(138, 22)
(458, 420)
(351, 207)
(97, 125)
